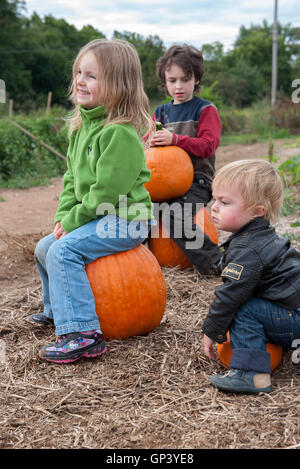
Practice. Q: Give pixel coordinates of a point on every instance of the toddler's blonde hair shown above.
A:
(121, 84)
(258, 181)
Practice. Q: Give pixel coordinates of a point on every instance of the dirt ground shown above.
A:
(145, 392)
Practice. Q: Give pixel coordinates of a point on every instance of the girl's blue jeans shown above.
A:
(67, 294)
(257, 322)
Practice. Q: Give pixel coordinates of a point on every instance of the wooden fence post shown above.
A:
(11, 105)
(49, 102)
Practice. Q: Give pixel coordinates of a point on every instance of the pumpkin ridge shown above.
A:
(110, 286)
(141, 299)
(160, 289)
(124, 287)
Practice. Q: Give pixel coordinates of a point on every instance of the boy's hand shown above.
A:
(208, 347)
(162, 137)
(59, 232)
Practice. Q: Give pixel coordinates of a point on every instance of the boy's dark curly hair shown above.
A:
(187, 57)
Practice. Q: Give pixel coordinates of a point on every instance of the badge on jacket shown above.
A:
(233, 271)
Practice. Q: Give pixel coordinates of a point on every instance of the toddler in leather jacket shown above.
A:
(259, 299)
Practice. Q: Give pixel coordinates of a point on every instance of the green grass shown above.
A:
(26, 181)
(24, 162)
(249, 139)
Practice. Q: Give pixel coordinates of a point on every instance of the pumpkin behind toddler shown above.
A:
(166, 250)
(224, 351)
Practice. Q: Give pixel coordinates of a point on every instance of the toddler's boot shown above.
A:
(241, 381)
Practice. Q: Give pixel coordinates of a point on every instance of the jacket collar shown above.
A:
(88, 115)
(257, 223)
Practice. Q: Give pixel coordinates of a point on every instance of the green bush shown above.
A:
(209, 93)
(286, 115)
(233, 121)
(281, 120)
(25, 162)
(290, 171)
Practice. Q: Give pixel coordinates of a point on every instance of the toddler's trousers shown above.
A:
(257, 322)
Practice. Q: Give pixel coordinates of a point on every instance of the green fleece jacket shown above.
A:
(106, 172)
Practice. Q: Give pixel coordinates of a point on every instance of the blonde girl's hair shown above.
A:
(258, 181)
(121, 85)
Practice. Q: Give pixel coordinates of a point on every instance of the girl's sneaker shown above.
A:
(40, 319)
(71, 347)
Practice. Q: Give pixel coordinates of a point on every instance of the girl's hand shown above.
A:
(208, 347)
(59, 232)
(162, 137)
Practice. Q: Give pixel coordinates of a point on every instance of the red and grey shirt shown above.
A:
(196, 127)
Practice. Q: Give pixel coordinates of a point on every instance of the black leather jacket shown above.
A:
(256, 263)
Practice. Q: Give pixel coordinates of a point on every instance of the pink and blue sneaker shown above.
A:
(73, 346)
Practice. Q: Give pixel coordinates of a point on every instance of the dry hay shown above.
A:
(145, 392)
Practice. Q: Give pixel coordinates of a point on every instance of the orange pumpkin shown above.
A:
(225, 353)
(172, 172)
(130, 292)
(166, 250)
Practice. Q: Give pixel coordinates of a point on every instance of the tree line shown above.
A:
(36, 56)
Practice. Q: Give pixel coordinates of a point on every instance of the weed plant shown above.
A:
(24, 162)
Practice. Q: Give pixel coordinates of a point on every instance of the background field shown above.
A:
(145, 392)
(150, 391)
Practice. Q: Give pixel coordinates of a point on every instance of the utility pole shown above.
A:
(274, 54)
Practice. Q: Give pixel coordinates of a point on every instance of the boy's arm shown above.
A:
(162, 137)
(240, 276)
(208, 135)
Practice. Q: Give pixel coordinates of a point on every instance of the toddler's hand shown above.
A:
(162, 137)
(208, 347)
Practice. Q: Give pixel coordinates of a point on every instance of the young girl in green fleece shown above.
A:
(104, 207)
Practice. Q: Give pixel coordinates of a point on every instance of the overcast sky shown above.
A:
(194, 22)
